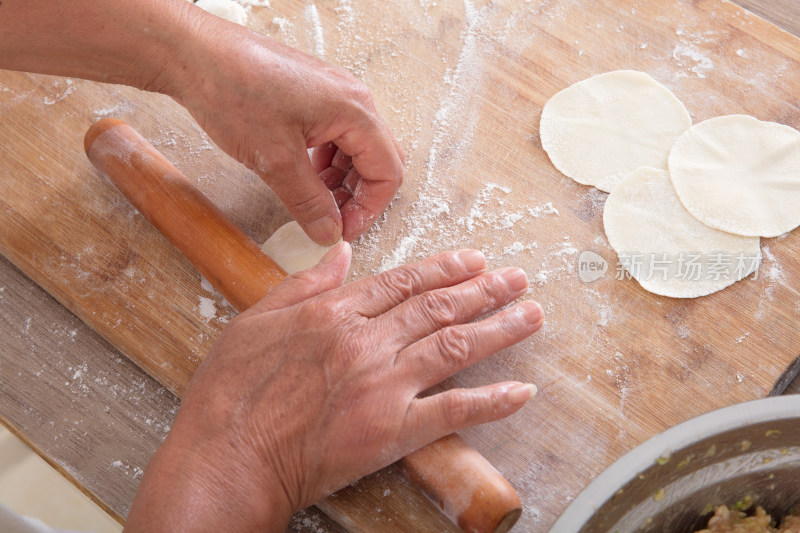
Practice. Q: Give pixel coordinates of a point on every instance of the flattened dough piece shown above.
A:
(599, 129)
(644, 220)
(227, 9)
(739, 174)
(292, 249)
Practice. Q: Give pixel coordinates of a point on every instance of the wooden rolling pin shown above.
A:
(465, 486)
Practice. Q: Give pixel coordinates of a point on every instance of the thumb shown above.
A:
(328, 274)
(309, 201)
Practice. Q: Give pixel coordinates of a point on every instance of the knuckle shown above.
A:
(359, 93)
(277, 162)
(449, 265)
(492, 289)
(301, 277)
(458, 406)
(324, 310)
(303, 208)
(337, 73)
(402, 282)
(496, 404)
(455, 345)
(439, 306)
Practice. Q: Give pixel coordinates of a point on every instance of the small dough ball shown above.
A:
(666, 249)
(227, 9)
(739, 174)
(292, 249)
(599, 129)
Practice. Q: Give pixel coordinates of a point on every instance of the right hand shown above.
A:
(319, 384)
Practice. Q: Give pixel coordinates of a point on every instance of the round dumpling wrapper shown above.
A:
(666, 249)
(739, 174)
(601, 128)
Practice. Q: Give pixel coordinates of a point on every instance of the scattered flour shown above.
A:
(450, 130)
(318, 39)
(306, 521)
(348, 53)
(63, 88)
(542, 210)
(286, 30)
(508, 220)
(116, 110)
(207, 286)
(347, 17)
(599, 304)
(775, 276)
(702, 63)
(477, 216)
(283, 23)
(208, 308)
(128, 469)
(621, 375)
(563, 252)
(775, 273)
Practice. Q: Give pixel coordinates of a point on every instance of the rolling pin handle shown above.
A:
(464, 485)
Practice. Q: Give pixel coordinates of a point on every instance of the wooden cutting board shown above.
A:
(462, 85)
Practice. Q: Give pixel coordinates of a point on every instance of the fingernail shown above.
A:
(532, 312)
(324, 230)
(473, 260)
(341, 160)
(516, 279)
(522, 392)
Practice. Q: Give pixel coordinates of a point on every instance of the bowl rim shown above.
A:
(606, 484)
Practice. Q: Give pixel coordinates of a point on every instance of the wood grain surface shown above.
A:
(615, 364)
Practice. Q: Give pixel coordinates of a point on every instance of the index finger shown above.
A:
(378, 159)
(378, 294)
(366, 203)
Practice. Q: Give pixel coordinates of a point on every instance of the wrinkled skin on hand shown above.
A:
(265, 103)
(319, 384)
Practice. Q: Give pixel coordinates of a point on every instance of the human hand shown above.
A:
(262, 102)
(265, 103)
(319, 384)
